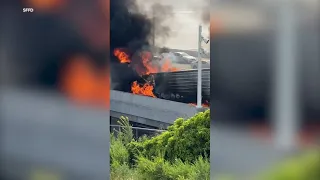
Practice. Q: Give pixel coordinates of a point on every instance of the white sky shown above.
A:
(184, 24)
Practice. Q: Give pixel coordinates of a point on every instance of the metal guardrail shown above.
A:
(146, 129)
(138, 131)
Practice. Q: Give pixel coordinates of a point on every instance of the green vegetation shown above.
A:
(180, 153)
(305, 167)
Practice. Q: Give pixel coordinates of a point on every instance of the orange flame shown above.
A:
(83, 83)
(149, 67)
(145, 89)
(147, 63)
(122, 56)
(167, 66)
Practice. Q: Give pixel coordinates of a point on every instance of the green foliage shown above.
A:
(119, 154)
(306, 167)
(124, 172)
(125, 133)
(201, 169)
(159, 168)
(170, 155)
(134, 149)
(185, 139)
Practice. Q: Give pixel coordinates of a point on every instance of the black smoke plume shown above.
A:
(133, 30)
(128, 28)
(159, 14)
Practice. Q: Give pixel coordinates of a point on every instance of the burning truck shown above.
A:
(157, 79)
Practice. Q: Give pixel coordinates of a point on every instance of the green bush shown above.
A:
(124, 172)
(201, 169)
(185, 139)
(170, 155)
(134, 149)
(125, 134)
(119, 154)
(159, 168)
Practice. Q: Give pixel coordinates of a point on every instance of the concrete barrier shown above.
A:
(146, 110)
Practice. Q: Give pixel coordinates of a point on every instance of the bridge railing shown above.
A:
(137, 131)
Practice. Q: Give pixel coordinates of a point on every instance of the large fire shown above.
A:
(122, 56)
(149, 67)
(167, 66)
(84, 83)
(147, 64)
(144, 89)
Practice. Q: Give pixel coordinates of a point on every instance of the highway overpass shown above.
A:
(148, 111)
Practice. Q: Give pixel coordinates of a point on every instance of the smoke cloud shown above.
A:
(128, 28)
(202, 9)
(161, 13)
(205, 15)
(134, 29)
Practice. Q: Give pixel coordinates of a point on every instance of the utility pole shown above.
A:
(199, 84)
(285, 97)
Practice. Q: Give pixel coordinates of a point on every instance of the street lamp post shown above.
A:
(199, 83)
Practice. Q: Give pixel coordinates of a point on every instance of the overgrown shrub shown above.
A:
(125, 134)
(185, 139)
(119, 154)
(201, 169)
(176, 154)
(124, 172)
(159, 168)
(134, 149)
